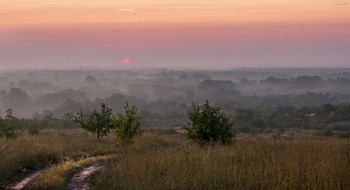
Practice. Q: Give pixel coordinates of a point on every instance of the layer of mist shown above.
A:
(163, 96)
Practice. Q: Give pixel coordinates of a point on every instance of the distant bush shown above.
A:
(7, 129)
(327, 133)
(268, 130)
(208, 123)
(257, 123)
(243, 128)
(170, 131)
(243, 116)
(344, 135)
(7, 125)
(33, 130)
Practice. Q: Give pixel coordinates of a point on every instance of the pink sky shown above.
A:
(197, 34)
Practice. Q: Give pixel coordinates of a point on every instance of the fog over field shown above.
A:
(164, 95)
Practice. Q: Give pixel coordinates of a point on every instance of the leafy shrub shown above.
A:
(243, 116)
(7, 125)
(326, 133)
(97, 122)
(344, 135)
(257, 123)
(208, 123)
(169, 131)
(33, 130)
(243, 128)
(127, 127)
(7, 129)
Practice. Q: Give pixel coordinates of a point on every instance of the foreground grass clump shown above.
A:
(26, 153)
(249, 164)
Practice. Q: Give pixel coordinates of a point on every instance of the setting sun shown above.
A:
(126, 61)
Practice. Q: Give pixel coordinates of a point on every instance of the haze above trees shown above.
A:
(164, 96)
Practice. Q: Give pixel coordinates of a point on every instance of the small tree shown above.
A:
(208, 123)
(7, 126)
(97, 122)
(126, 127)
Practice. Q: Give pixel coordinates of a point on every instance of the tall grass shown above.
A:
(248, 164)
(26, 153)
(169, 162)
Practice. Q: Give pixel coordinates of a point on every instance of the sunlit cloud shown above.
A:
(124, 10)
(341, 4)
(113, 46)
(185, 7)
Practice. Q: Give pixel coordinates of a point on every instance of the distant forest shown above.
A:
(256, 99)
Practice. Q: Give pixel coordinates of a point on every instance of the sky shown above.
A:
(218, 34)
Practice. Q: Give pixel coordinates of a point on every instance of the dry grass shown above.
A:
(27, 153)
(169, 162)
(249, 164)
(58, 176)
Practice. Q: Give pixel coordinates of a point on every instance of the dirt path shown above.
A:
(24, 182)
(80, 181)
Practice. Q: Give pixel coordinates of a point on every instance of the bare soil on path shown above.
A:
(24, 182)
(80, 181)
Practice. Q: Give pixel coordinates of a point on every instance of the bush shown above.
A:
(243, 116)
(208, 123)
(98, 122)
(7, 129)
(169, 131)
(7, 125)
(257, 123)
(325, 133)
(243, 128)
(33, 130)
(344, 135)
(127, 127)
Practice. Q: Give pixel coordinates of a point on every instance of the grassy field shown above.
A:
(161, 161)
(248, 164)
(27, 153)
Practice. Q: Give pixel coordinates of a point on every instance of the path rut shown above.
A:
(80, 181)
(24, 182)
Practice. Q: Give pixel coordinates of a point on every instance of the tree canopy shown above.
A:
(97, 122)
(208, 123)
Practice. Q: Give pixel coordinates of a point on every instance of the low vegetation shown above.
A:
(208, 123)
(127, 126)
(28, 153)
(199, 156)
(97, 122)
(158, 160)
(248, 164)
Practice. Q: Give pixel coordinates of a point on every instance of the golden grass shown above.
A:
(170, 162)
(58, 176)
(248, 164)
(26, 153)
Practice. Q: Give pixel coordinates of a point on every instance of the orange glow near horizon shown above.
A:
(175, 32)
(22, 13)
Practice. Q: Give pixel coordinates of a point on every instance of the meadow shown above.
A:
(28, 153)
(158, 160)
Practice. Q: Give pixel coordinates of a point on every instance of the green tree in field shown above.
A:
(7, 125)
(208, 123)
(127, 126)
(243, 116)
(258, 123)
(98, 123)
